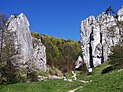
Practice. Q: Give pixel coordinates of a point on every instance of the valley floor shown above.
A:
(97, 82)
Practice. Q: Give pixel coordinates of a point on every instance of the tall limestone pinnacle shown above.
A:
(22, 38)
(98, 35)
(29, 52)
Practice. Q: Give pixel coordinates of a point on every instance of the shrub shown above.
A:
(116, 58)
(31, 76)
(107, 69)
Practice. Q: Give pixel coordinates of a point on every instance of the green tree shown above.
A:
(110, 10)
(8, 70)
(61, 53)
(120, 25)
(116, 58)
(3, 20)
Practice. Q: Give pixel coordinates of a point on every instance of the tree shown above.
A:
(120, 25)
(3, 20)
(8, 52)
(61, 53)
(109, 10)
(116, 58)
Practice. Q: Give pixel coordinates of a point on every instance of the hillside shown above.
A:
(110, 82)
(60, 53)
(33, 62)
(97, 82)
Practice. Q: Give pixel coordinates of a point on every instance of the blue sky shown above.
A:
(60, 18)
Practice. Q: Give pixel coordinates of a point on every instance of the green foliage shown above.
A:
(31, 76)
(107, 69)
(9, 73)
(61, 53)
(97, 82)
(120, 25)
(3, 19)
(42, 73)
(109, 10)
(55, 71)
(116, 58)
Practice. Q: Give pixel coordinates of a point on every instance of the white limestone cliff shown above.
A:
(18, 26)
(39, 56)
(98, 35)
(25, 55)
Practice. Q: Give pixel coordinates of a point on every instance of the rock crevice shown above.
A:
(98, 35)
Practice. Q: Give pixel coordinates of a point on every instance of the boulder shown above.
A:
(79, 62)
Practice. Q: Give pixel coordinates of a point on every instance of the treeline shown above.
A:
(61, 53)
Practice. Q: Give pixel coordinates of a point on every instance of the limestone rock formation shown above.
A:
(18, 26)
(98, 35)
(79, 62)
(39, 56)
(26, 53)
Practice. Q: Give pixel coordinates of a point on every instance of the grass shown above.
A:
(45, 86)
(109, 82)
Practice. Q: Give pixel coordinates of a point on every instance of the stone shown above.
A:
(18, 26)
(54, 77)
(120, 14)
(42, 78)
(74, 75)
(29, 53)
(79, 62)
(39, 56)
(98, 35)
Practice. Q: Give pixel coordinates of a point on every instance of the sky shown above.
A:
(59, 18)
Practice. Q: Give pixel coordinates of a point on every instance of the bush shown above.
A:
(116, 58)
(107, 69)
(55, 71)
(31, 76)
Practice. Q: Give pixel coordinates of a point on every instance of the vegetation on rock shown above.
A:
(60, 53)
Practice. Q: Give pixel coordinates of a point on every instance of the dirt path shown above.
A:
(75, 89)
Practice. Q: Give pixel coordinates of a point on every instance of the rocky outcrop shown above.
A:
(39, 56)
(18, 27)
(27, 52)
(98, 35)
(79, 62)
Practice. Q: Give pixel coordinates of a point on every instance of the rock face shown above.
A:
(79, 62)
(27, 53)
(39, 56)
(98, 35)
(18, 26)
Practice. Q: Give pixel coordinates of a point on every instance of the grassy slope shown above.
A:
(109, 82)
(45, 86)
(112, 82)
